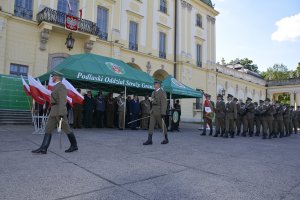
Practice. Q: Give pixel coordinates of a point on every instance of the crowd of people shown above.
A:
(108, 112)
(263, 118)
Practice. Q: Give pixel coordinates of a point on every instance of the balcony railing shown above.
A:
(133, 46)
(57, 17)
(162, 54)
(23, 12)
(102, 35)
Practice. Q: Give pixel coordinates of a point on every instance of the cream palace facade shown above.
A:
(160, 37)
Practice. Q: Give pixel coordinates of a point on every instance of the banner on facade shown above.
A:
(72, 22)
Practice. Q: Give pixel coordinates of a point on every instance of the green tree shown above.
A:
(277, 72)
(247, 64)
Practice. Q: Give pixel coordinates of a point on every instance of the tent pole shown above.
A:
(125, 97)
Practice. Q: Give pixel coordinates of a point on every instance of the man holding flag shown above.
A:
(58, 115)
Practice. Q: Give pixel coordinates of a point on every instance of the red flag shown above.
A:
(41, 90)
(72, 92)
(34, 91)
(26, 87)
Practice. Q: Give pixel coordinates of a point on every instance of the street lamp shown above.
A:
(70, 42)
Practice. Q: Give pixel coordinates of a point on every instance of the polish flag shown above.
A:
(43, 92)
(51, 85)
(25, 86)
(34, 91)
(72, 92)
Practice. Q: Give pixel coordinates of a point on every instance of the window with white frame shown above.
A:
(198, 55)
(18, 70)
(133, 36)
(162, 45)
(102, 22)
(23, 8)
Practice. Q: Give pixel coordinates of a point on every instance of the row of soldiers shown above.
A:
(236, 117)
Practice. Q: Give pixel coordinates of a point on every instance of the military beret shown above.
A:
(235, 99)
(267, 99)
(157, 81)
(292, 106)
(249, 99)
(277, 102)
(229, 95)
(56, 73)
(255, 103)
(207, 95)
(261, 101)
(219, 95)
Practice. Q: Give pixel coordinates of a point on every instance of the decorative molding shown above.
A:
(148, 66)
(163, 26)
(88, 46)
(44, 37)
(135, 14)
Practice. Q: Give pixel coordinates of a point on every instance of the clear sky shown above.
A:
(265, 31)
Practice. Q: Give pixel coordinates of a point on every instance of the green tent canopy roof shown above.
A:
(176, 89)
(97, 72)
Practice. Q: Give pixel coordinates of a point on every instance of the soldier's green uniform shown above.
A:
(298, 115)
(248, 119)
(157, 113)
(145, 110)
(240, 114)
(278, 121)
(259, 118)
(291, 120)
(220, 116)
(231, 115)
(286, 119)
(58, 112)
(267, 119)
(121, 110)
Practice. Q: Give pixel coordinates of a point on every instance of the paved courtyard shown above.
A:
(114, 165)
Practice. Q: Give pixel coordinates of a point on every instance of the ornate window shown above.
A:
(199, 20)
(133, 36)
(102, 22)
(162, 45)
(163, 6)
(18, 70)
(55, 59)
(199, 55)
(23, 8)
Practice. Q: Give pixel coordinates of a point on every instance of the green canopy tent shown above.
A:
(91, 71)
(177, 90)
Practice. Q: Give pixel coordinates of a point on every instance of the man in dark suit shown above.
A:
(89, 106)
(134, 109)
(58, 113)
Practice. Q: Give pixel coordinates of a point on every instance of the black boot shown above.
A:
(244, 134)
(238, 133)
(264, 136)
(204, 132)
(270, 135)
(166, 141)
(210, 132)
(45, 145)
(225, 135)
(73, 142)
(274, 135)
(216, 134)
(149, 141)
(232, 134)
(281, 135)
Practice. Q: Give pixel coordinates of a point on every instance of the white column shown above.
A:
(297, 99)
(292, 102)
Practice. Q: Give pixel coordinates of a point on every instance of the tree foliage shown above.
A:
(246, 63)
(280, 72)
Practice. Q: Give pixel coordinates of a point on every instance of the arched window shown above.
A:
(72, 8)
(199, 20)
(163, 6)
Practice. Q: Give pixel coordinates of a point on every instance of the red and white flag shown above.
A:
(25, 86)
(34, 90)
(43, 92)
(72, 92)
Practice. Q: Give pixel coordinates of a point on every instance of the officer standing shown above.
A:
(100, 110)
(238, 121)
(58, 112)
(267, 119)
(134, 108)
(121, 110)
(295, 120)
(231, 115)
(208, 114)
(145, 110)
(259, 117)
(89, 106)
(77, 113)
(249, 118)
(278, 120)
(110, 111)
(220, 116)
(286, 119)
(158, 112)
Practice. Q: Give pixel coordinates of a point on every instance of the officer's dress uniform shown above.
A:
(231, 115)
(267, 121)
(58, 112)
(220, 118)
(145, 110)
(249, 120)
(286, 120)
(278, 122)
